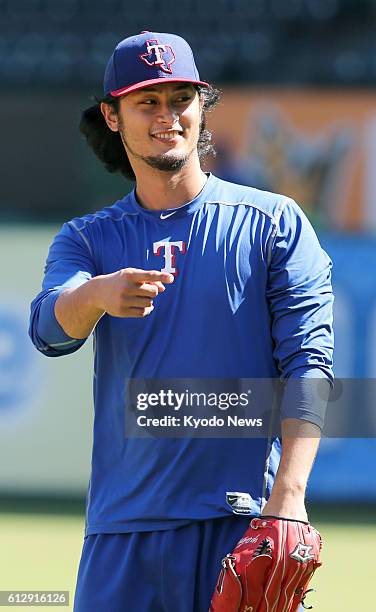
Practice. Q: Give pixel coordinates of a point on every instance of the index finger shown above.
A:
(139, 276)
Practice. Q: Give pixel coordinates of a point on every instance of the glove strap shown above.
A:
(303, 598)
(282, 518)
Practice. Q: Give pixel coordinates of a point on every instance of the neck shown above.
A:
(157, 190)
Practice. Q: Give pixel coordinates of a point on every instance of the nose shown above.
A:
(167, 113)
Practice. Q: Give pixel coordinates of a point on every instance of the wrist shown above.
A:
(287, 511)
(94, 288)
(287, 500)
(289, 488)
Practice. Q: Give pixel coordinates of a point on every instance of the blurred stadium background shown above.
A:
(298, 117)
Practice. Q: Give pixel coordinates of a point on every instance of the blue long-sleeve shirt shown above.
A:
(251, 298)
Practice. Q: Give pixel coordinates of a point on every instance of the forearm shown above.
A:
(77, 310)
(300, 442)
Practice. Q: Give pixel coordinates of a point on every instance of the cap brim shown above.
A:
(124, 90)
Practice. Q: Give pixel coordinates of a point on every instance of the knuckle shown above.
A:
(128, 273)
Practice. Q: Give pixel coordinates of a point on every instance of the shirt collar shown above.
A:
(170, 214)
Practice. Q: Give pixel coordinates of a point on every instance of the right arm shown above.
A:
(75, 295)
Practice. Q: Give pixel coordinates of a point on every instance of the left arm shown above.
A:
(300, 299)
(300, 442)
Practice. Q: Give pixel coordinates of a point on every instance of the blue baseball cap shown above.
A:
(150, 58)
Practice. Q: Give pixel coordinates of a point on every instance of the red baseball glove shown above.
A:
(270, 567)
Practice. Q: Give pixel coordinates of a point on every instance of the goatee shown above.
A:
(166, 163)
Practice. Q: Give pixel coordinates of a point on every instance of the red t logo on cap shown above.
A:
(154, 55)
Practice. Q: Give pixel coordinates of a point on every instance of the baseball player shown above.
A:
(188, 276)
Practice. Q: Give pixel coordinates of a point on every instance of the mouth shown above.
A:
(167, 136)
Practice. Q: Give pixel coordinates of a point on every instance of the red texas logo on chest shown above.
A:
(168, 251)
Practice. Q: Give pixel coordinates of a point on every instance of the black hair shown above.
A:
(108, 146)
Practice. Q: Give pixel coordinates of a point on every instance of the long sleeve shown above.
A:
(300, 300)
(70, 263)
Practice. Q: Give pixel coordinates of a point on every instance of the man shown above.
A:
(185, 277)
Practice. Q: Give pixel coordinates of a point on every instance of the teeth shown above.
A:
(167, 135)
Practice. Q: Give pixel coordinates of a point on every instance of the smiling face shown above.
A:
(159, 125)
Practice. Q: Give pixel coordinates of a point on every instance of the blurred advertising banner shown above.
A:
(45, 404)
(344, 468)
(317, 146)
(344, 471)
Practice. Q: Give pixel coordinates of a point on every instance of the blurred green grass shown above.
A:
(41, 551)
(345, 581)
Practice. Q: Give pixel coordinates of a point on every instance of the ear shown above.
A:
(110, 116)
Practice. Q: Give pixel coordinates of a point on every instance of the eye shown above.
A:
(183, 99)
(148, 101)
